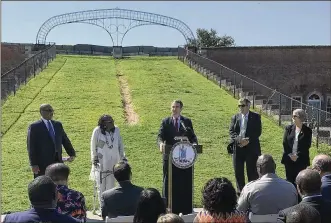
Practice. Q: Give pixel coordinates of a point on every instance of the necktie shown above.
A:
(176, 124)
(50, 130)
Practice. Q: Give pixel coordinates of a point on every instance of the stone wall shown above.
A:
(292, 70)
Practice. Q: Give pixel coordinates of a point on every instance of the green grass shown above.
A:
(81, 88)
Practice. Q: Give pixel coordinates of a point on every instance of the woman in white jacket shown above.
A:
(106, 150)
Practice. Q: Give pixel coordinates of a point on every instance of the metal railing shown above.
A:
(14, 78)
(263, 98)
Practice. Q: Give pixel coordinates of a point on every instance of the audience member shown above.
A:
(309, 188)
(121, 200)
(322, 164)
(43, 197)
(170, 218)
(70, 202)
(303, 213)
(219, 202)
(269, 194)
(150, 206)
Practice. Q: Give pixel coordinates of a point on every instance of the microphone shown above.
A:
(182, 124)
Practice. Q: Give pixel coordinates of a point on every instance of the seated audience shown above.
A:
(269, 194)
(170, 218)
(43, 196)
(309, 187)
(322, 164)
(219, 203)
(150, 206)
(121, 200)
(303, 213)
(70, 202)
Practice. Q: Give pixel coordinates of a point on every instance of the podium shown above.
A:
(180, 186)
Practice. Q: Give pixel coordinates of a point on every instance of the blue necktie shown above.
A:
(50, 130)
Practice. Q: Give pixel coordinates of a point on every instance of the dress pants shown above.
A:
(240, 156)
(292, 170)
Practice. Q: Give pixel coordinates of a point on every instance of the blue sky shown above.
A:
(250, 23)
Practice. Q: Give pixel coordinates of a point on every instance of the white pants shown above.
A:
(108, 182)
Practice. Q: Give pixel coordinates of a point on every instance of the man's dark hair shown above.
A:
(42, 192)
(303, 213)
(219, 196)
(150, 206)
(266, 164)
(58, 172)
(309, 182)
(323, 163)
(178, 102)
(122, 171)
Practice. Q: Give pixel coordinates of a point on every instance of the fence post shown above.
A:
(234, 86)
(280, 110)
(25, 73)
(34, 66)
(253, 94)
(221, 77)
(318, 129)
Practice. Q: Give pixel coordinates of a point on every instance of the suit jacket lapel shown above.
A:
(46, 129)
(239, 120)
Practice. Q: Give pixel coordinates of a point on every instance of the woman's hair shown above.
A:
(101, 123)
(301, 114)
(219, 196)
(150, 206)
(170, 218)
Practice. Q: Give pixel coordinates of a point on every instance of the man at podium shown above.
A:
(182, 179)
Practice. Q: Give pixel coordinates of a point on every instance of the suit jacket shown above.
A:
(36, 215)
(304, 143)
(326, 187)
(321, 205)
(41, 147)
(167, 132)
(121, 200)
(253, 131)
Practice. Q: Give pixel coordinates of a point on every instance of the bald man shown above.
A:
(44, 142)
(322, 164)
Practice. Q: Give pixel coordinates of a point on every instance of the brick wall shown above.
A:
(291, 70)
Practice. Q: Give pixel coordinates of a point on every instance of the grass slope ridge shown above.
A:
(87, 87)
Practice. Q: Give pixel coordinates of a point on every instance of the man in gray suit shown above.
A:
(121, 200)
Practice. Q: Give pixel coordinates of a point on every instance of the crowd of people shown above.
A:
(304, 196)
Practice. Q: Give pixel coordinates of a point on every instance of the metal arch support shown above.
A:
(100, 16)
(95, 24)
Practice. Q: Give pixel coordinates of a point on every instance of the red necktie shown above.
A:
(176, 125)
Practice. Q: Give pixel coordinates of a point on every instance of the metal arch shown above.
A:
(141, 25)
(110, 15)
(95, 24)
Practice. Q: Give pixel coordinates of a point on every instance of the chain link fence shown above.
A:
(14, 78)
(276, 105)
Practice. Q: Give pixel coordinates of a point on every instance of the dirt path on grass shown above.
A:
(132, 118)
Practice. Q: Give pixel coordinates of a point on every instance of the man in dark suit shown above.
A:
(43, 197)
(245, 130)
(303, 213)
(309, 187)
(322, 164)
(44, 141)
(121, 200)
(176, 125)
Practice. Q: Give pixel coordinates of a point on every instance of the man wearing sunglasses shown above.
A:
(245, 130)
(44, 142)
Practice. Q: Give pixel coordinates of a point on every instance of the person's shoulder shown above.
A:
(288, 127)
(65, 218)
(76, 193)
(35, 123)
(254, 114)
(164, 120)
(110, 192)
(307, 128)
(138, 188)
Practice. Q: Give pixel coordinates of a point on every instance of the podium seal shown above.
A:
(184, 155)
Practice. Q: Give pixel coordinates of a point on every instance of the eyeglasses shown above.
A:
(295, 116)
(48, 110)
(241, 106)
